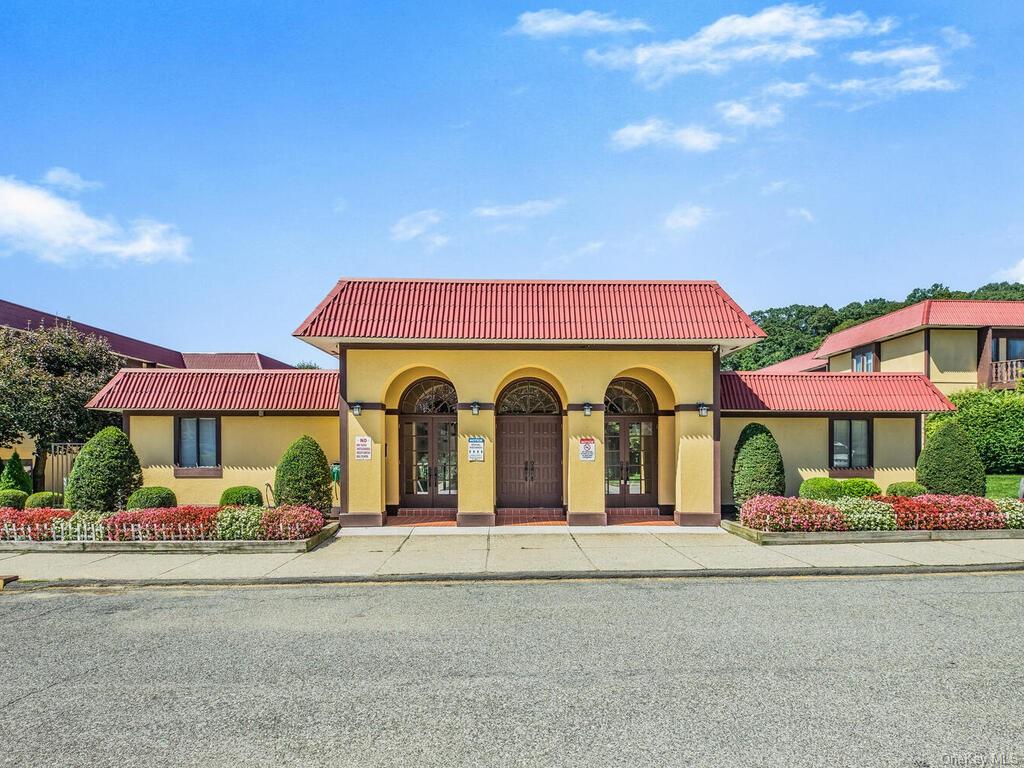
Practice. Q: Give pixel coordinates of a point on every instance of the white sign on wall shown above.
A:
(364, 448)
(476, 448)
(588, 449)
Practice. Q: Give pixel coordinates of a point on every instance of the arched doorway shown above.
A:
(630, 445)
(428, 445)
(528, 421)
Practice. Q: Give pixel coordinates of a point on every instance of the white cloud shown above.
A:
(909, 80)
(69, 181)
(692, 138)
(801, 213)
(1014, 274)
(530, 209)
(785, 90)
(686, 217)
(775, 34)
(587, 249)
(552, 22)
(418, 226)
(956, 39)
(903, 56)
(40, 223)
(738, 113)
(774, 187)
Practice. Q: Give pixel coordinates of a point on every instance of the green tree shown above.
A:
(757, 467)
(303, 476)
(47, 375)
(949, 463)
(307, 365)
(993, 420)
(106, 473)
(14, 477)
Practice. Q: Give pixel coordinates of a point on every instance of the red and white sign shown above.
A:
(588, 449)
(364, 448)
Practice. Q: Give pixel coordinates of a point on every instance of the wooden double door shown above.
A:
(429, 464)
(529, 460)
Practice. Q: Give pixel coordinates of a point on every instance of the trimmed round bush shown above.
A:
(821, 489)
(152, 497)
(949, 463)
(905, 489)
(757, 468)
(303, 477)
(14, 477)
(45, 499)
(12, 498)
(860, 488)
(239, 523)
(241, 496)
(105, 474)
(865, 514)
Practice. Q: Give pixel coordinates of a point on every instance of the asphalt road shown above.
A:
(915, 671)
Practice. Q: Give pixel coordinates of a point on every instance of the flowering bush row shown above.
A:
(187, 523)
(928, 512)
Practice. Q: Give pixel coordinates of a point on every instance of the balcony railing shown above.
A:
(1006, 371)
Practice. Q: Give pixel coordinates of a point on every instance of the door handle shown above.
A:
(526, 470)
(533, 470)
(623, 473)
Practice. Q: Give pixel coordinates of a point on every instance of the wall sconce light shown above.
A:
(702, 409)
(587, 409)
(475, 408)
(357, 409)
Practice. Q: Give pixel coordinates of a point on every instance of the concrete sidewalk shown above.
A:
(518, 552)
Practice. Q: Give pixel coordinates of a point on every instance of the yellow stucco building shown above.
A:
(483, 402)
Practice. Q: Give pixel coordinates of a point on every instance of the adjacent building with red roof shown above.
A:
(574, 401)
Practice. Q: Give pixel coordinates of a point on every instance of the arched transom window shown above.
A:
(629, 396)
(527, 397)
(430, 396)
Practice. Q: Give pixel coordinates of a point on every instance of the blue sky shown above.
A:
(199, 175)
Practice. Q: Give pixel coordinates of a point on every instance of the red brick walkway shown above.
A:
(442, 518)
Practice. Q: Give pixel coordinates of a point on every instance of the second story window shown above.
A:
(864, 360)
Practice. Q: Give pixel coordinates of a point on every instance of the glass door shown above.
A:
(429, 461)
(630, 461)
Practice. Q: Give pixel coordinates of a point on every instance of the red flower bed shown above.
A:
(779, 513)
(290, 523)
(35, 524)
(933, 512)
(189, 523)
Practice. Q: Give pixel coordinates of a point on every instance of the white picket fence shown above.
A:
(65, 530)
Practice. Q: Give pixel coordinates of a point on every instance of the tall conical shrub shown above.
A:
(105, 474)
(14, 477)
(950, 463)
(757, 467)
(303, 476)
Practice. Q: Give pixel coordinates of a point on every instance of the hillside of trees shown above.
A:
(801, 328)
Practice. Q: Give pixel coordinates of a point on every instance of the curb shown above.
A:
(455, 578)
(768, 538)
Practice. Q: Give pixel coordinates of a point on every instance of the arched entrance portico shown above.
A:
(630, 445)
(428, 445)
(528, 423)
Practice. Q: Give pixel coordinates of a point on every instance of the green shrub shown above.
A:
(44, 499)
(239, 523)
(993, 420)
(14, 477)
(106, 472)
(1014, 511)
(152, 497)
(949, 463)
(757, 468)
(12, 498)
(241, 496)
(905, 489)
(860, 488)
(303, 476)
(865, 514)
(821, 488)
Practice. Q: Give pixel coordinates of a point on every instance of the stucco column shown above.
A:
(586, 478)
(695, 469)
(366, 469)
(476, 478)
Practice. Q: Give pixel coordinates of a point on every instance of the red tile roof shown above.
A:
(831, 392)
(799, 364)
(150, 389)
(933, 313)
(233, 361)
(525, 310)
(16, 316)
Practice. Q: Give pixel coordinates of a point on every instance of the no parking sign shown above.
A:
(588, 449)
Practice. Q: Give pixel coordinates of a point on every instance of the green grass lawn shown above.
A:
(1002, 486)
